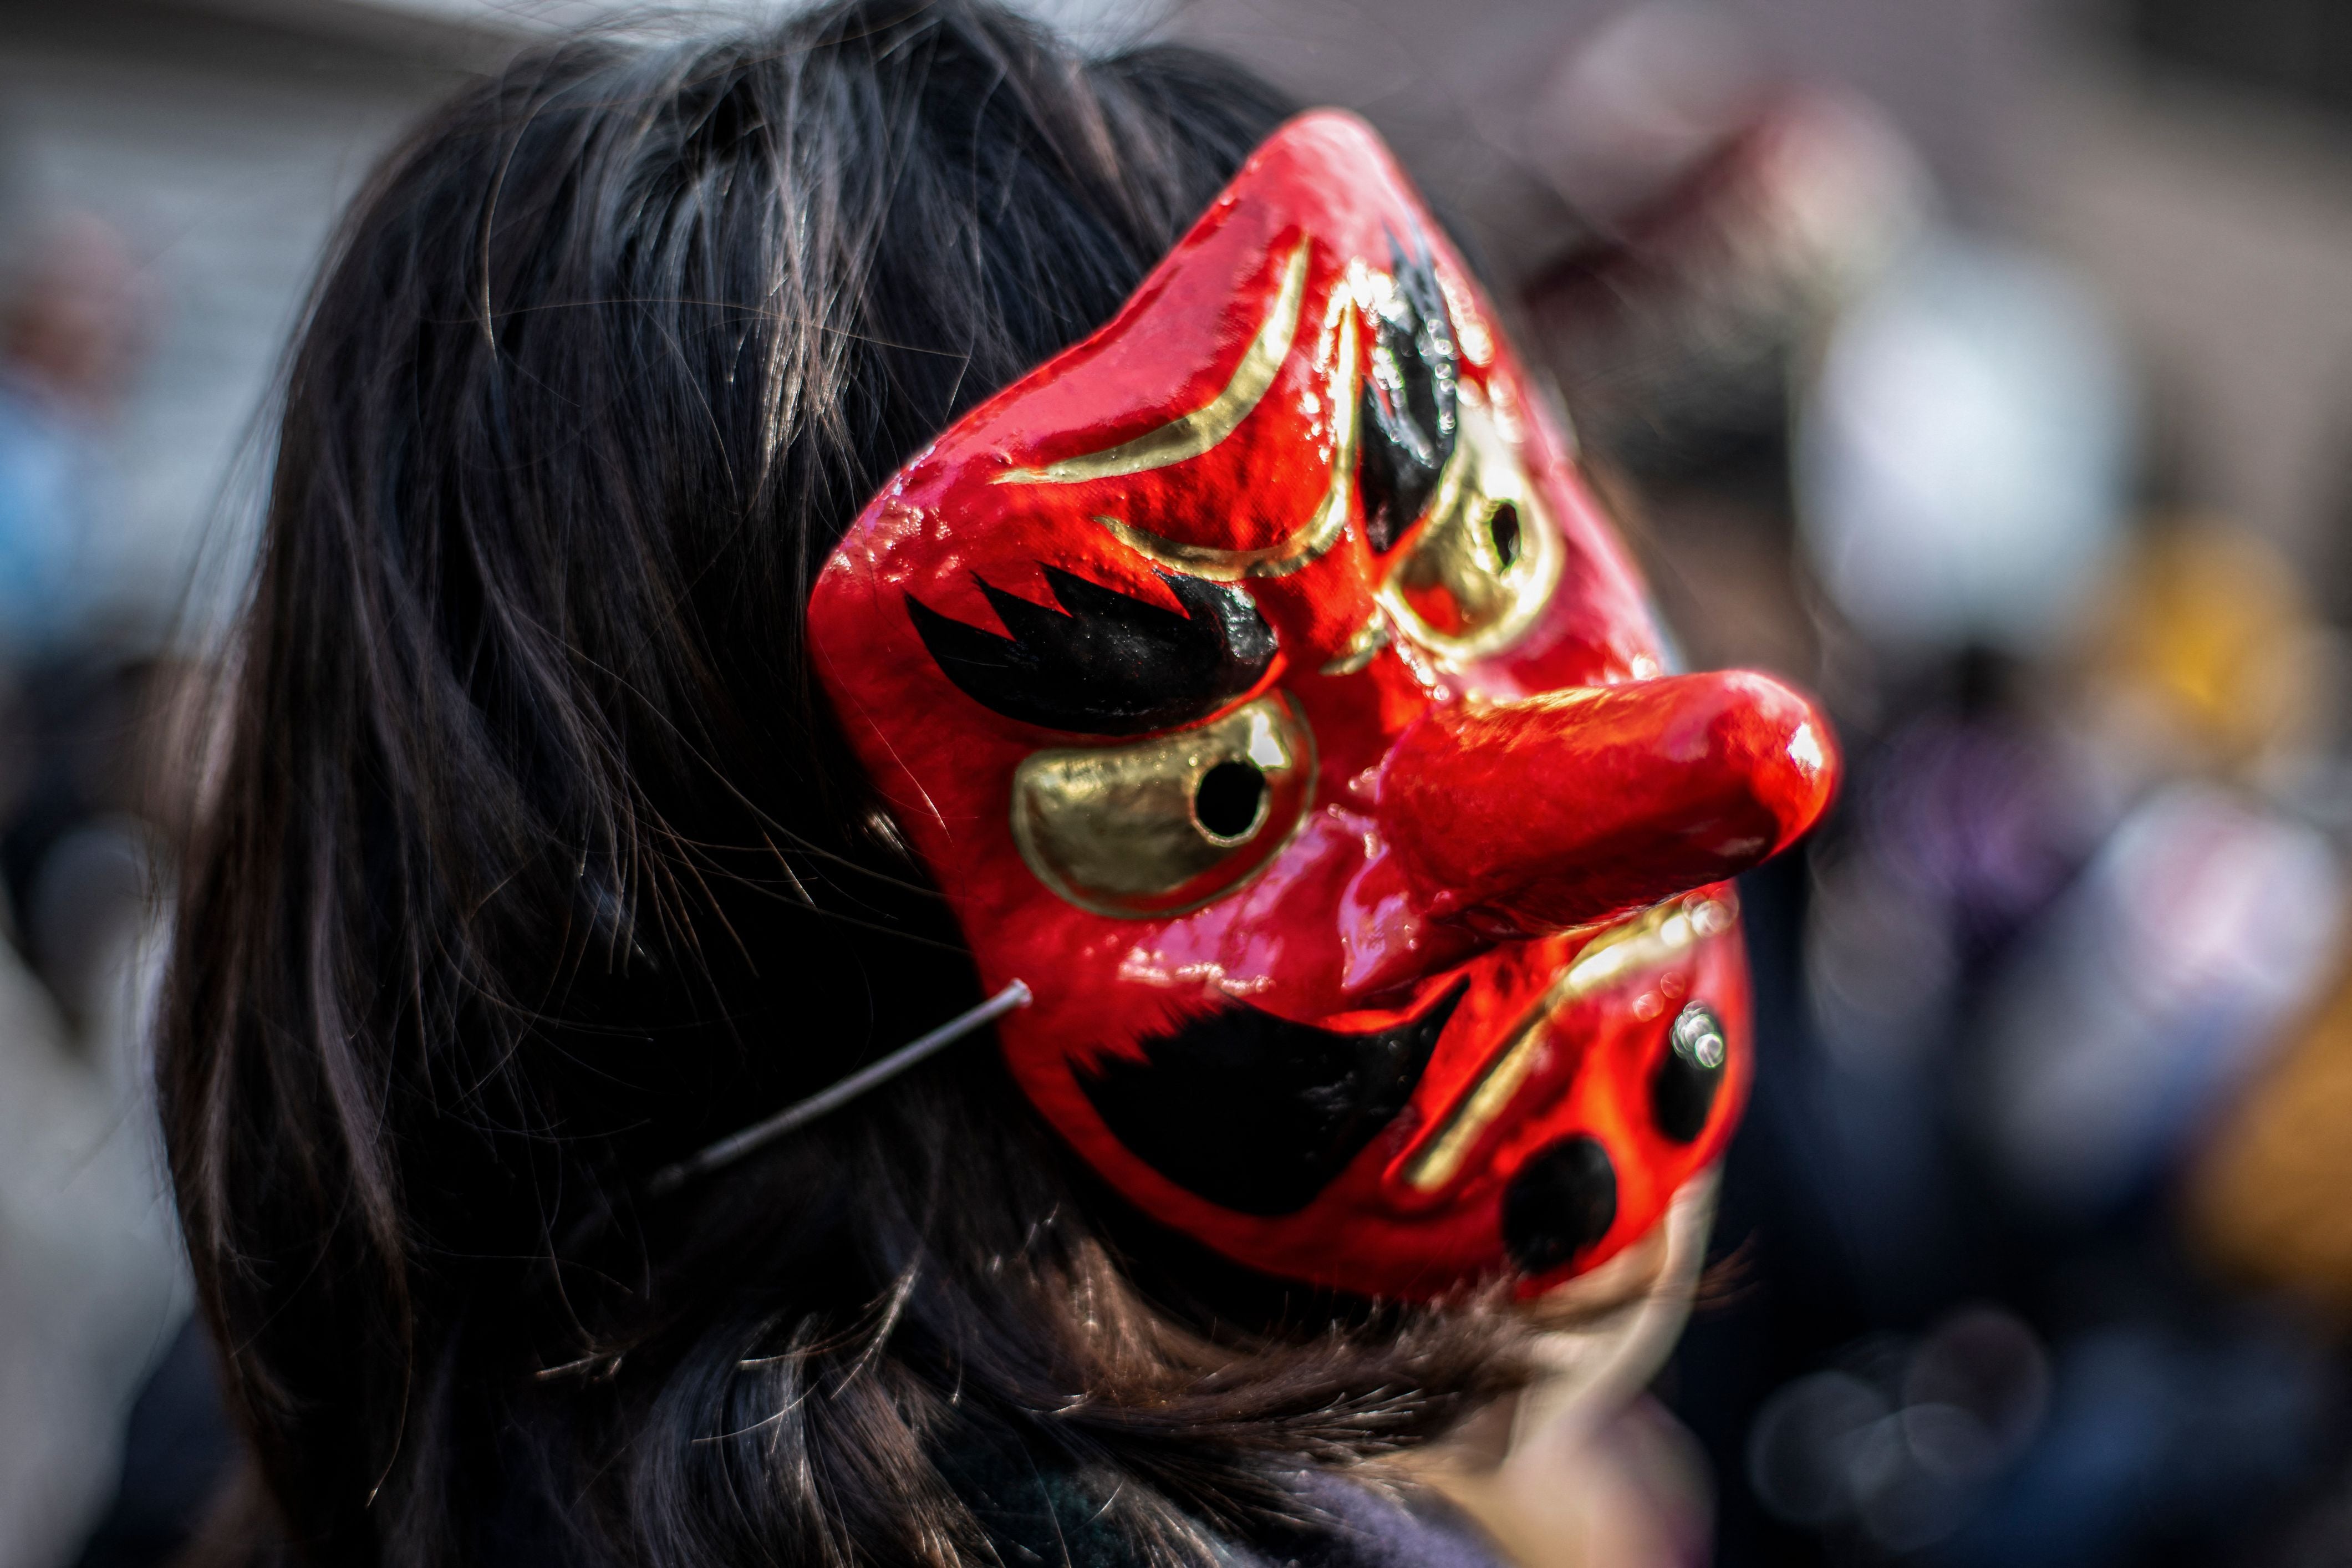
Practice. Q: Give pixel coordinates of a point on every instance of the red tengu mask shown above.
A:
(1260, 684)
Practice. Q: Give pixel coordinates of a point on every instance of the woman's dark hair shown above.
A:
(534, 860)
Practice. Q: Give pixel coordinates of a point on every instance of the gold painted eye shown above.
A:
(1163, 826)
(1475, 575)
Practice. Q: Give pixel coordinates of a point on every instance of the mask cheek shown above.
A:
(1598, 627)
(1651, 1105)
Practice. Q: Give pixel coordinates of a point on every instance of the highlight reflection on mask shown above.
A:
(1260, 685)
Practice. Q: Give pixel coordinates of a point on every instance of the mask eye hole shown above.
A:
(1164, 825)
(1503, 528)
(1483, 560)
(1229, 803)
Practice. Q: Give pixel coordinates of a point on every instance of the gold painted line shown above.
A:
(1284, 556)
(1642, 941)
(1362, 649)
(1331, 519)
(1198, 431)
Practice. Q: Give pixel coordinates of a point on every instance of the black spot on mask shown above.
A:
(1561, 1201)
(1689, 1075)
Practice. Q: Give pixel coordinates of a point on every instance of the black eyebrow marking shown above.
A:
(1106, 663)
(1408, 421)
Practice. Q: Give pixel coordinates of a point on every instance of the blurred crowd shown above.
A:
(2030, 1249)
(92, 1301)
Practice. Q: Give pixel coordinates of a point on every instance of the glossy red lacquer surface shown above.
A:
(1474, 820)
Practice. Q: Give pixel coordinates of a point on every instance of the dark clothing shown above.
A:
(1365, 1529)
(1043, 1516)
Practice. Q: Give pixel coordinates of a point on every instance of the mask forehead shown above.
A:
(1215, 428)
(1232, 372)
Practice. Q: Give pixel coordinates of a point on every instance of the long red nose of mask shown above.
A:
(1522, 818)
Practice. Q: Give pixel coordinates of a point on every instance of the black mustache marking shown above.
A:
(1256, 1113)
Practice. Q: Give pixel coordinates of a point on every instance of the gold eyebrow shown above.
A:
(1196, 432)
(1286, 555)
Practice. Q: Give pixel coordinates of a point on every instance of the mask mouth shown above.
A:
(1617, 952)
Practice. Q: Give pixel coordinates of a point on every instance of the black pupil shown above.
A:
(1505, 527)
(1227, 801)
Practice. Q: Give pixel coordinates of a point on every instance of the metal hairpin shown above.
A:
(735, 1145)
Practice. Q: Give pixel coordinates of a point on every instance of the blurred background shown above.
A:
(1984, 367)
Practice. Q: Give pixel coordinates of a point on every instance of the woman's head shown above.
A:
(537, 859)
(560, 831)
